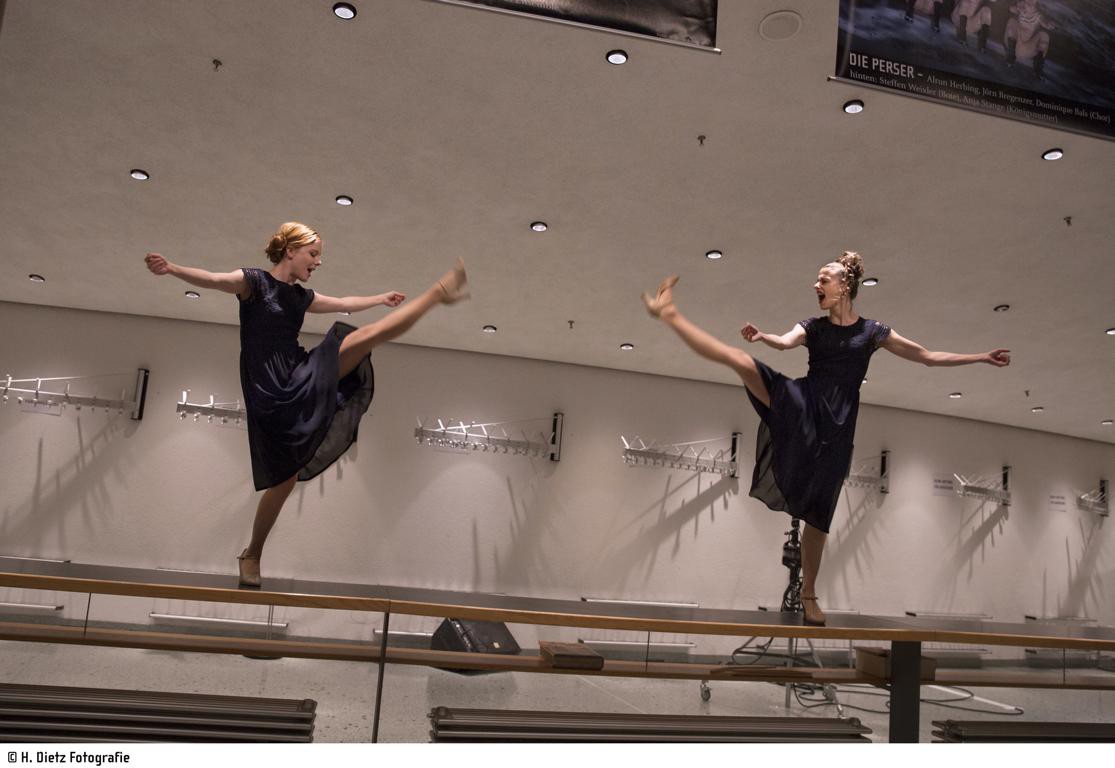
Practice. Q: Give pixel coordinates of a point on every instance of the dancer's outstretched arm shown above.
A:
(229, 282)
(794, 337)
(914, 352)
(323, 303)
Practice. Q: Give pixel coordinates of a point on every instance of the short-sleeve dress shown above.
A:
(302, 416)
(804, 447)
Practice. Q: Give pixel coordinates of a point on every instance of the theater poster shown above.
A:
(1048, 62)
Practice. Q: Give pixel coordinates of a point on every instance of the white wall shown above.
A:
(104, 489)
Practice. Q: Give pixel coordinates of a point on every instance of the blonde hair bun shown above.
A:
(292, 234)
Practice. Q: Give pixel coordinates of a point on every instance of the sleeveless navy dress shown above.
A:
(804, 447)
(301, 418)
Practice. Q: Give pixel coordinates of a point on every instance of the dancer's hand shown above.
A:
(157, 264)
(751, 333)
(1000, 358)
(663, 299)
(392, 298)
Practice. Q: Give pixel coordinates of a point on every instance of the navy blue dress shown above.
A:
(301, 418)
(804, 447)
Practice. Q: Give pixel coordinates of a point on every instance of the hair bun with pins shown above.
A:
(290, 235)
(853, 270)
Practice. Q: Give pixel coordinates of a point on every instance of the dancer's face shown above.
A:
(305, 259)
(830, 287)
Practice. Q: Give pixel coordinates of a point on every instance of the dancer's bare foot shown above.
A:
(663, 299)
(812, 611)
(249, 570)
(454, 284)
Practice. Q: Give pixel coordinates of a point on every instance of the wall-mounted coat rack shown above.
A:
(695, 456)
(872, 472)
(222, 411)
(1094, 500)
(48, 399)
(985, 488)
(492, 437)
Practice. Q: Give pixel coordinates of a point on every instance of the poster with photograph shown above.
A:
(1050, 62)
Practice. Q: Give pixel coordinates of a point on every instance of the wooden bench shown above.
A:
(44, 713)
(488, 725)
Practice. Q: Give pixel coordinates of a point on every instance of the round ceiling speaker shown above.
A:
(780, 25)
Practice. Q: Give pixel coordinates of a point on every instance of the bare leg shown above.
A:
(705, 344)
(448, 290)
(270, 505)
(812, 548)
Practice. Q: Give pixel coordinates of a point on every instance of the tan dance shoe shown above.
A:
(249, 570)
(454, 284)
(812, 613)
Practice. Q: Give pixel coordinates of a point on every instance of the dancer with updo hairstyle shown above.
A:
(807, 425)
(303, 408)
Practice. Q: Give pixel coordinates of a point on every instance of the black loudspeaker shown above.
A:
(474, 637)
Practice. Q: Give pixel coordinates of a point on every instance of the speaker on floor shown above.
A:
(474, 637)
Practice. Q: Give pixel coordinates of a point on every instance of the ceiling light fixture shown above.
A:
(956, 395)
(539, 226)
(36, 278)
(1106, 423)
(344, 200)
(617, 57)
(193, 295)
(853, 107)
(714, 255)
(1002, 307)
(1053, 154)
(1036, 409)
(1110, 331)
(490, 329)
(344, 11)
(139, 174)
(871, 281)
(627, 346)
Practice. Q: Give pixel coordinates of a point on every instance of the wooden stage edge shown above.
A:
(528, 662)
(111, 580)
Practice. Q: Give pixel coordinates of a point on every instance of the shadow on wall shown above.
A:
(78, 483)
(1084, 588)
(636, 559)
(531, 525)
(971, 539)
(850, 548)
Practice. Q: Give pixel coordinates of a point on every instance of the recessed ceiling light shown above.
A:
(344, 11)
(956, 395)
(346, 314)
(1106, 422)
(1002, 307)
(617, 57)
(714, 255)
(1110, 331)
(864, 380)
(344, 200)
(1053, 154)
(139, 174)
(193, 295)
(1036, 409)
(853, 107)
(538, 226)
(490, 329)
(871, 281)
(627, 346)
(36, 278)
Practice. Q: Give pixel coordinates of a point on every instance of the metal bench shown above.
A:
(44, 713)
(479, 725)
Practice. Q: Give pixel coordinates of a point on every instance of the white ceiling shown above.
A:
(454, 128)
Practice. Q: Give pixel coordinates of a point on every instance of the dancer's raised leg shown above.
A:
(703, 343)
(450, 289)
(812, 548)
(270, 505)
